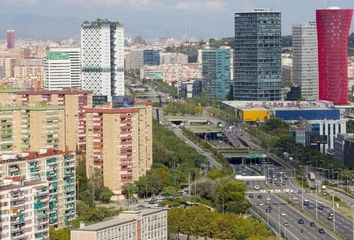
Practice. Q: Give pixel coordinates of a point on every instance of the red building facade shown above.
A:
(332, 32)
(10, 38)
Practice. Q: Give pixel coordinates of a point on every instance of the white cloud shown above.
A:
(13, 2)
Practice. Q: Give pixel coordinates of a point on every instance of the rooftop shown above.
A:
(65, 91)
(124, 217)
(31, 108)
(31, 155)
(316, 105)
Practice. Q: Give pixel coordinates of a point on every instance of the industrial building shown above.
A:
(326, 121)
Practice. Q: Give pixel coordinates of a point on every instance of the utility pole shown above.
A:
(316, 203)
(189, 185)
(302, 194)
(334, 215)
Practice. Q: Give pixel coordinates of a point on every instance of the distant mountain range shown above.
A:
(30, 26)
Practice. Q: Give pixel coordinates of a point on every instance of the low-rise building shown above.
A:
(344, 150)
(326, 121)
(172, 72)
(129, 225)
(190, 88)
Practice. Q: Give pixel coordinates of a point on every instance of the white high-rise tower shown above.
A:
(102, 49)
(305, 61)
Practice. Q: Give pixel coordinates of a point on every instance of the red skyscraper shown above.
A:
(10, 37)
(333, 26)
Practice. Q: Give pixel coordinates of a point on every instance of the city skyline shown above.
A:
(156, 18)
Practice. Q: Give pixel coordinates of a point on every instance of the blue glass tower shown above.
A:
(257, 56)
(216, 72)
(151, 57)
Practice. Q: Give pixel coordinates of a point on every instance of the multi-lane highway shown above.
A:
(278, 213)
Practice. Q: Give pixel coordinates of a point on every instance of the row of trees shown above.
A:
(91, 190)
(174, 162)
(199, 221)
(176, 108)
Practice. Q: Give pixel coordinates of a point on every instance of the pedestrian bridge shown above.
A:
(250, 178)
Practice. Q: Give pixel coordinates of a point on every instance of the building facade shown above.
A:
(10, 39)
(57, 70)
(129, 225)
(333, 27)
(216, 72)
(151, 57)
(344, 150)
(102, 48)
(119, 144)
(170, 73)
(257, 56)
(305, 60)
(173, 58)
(74, 55)
(57, 169)
(24, 209)
(73, 101)
(26, 128)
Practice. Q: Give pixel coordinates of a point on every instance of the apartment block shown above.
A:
(24, 128)
(74, 102)
(129, 225)
(57, 169)
(24, 209)
(119, 144)
(170, 73)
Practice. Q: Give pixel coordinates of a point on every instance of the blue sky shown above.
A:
(201, 18)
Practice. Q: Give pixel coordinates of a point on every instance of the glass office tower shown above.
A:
(257, 56)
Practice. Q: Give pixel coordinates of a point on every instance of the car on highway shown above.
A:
(283, 214)
(259, 197)
(331, 214)
(295, 198)
(268, 198)
(306, 202)
(312, 224)
(269, 209)
(260, 204)
(321, 230)
(256, 187)
(286, 224)
(320, 207)
(250, 195)
(330, 217)
(300, 221)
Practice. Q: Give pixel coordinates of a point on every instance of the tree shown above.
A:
(129, 189)
(231, 197)
(59, 234)
(105, 195)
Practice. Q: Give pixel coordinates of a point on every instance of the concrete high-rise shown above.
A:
(305, 60)
(333, 25)
(119, 144)
(257, 56)
(216, 72)
(10, 38)
(102, 48)
(57, 71)
(56, 169)
(74, 55)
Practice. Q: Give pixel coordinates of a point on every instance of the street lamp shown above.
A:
(334, 213)
(302, 193)
(279, 221)
(316, 203)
